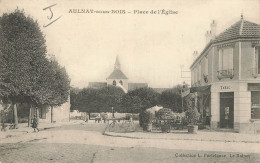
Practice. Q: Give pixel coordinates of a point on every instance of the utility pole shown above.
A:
(185, 75)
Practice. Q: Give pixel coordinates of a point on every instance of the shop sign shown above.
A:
(225, 87)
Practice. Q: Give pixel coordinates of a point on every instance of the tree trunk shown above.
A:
(30, 117)
(15, 117)
(88, 115)
(52, 114)
(37, 113)
(3, 120)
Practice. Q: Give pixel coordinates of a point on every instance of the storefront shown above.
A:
(236, 106)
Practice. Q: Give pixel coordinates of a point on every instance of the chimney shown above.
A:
(195, 55)
(208, 36)
(213, 26)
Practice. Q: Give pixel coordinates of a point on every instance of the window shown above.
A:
(226, 59)
(121, 82)
(225, 69)
(257, 60)
(114, 83)
(255, 105)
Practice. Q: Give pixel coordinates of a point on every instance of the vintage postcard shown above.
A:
(129, 81)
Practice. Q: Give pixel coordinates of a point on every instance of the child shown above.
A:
(35, 124)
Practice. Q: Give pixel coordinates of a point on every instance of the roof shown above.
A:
(97, 85)
(241, 29)
(133, 86)
(160, 90)
(117, 74)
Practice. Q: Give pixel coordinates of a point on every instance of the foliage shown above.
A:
(73, 98)
(23, 49)
(110, 96)
(145, 118)
(192, 115)
(26, 74)
(164, 113)
(172, 99)
(140, 99)
(98, 100)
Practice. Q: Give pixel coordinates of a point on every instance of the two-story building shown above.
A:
(226, 77)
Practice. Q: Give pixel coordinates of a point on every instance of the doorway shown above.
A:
(227, 110)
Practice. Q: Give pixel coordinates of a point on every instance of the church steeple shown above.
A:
(117, 64)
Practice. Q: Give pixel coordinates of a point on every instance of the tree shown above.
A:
(23, 53)
(58, 86)
(172, 99)
(27, 75)
(97, 100)
(140, 99)
(87, 100)
(109, 97)
(73, 98)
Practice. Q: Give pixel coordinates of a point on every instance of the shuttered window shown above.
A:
(255, 107)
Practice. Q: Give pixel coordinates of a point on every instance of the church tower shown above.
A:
(117, 77)
(117, 64)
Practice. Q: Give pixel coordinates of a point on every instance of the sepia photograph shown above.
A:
(136, 81)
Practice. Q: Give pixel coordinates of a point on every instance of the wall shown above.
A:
(125, 82)
(247, 60)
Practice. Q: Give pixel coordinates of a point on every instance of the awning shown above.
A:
(202, 89)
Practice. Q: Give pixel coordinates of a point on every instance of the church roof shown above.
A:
(241, 29)
(117, 74)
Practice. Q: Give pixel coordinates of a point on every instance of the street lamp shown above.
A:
(113, 112)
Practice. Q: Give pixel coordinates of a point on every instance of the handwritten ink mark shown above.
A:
(51, 16)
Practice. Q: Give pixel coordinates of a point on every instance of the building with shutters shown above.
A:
(226, 78)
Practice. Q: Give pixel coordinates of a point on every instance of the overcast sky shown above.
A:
(150, 47)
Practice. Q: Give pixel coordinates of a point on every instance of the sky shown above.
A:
(151, 47)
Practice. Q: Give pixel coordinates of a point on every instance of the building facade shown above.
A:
(226, 75)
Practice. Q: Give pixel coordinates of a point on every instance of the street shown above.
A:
(85, 143)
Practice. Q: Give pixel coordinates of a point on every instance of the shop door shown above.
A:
(227, 110)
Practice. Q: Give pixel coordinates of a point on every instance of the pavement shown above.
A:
(24, 129)
(202, 135)
(84, 142)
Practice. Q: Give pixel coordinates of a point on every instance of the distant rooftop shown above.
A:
(117, 74)
(133, 86)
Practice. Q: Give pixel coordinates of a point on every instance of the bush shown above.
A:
(135, 117)
(145, 118)
(192, 115)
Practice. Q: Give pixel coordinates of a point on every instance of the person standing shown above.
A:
(35, 124)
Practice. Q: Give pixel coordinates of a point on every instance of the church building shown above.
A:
(119, 79)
